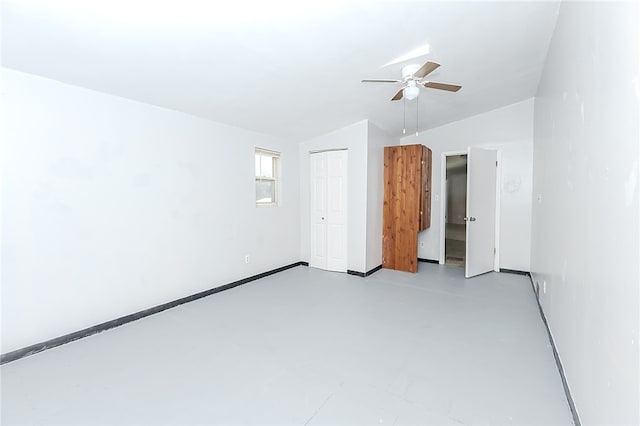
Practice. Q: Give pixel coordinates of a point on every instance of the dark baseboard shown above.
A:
(373, 271)
(364, 274)
(428, 260)
(303, 263)
(565, 385)
(52, 343)
(514, 271)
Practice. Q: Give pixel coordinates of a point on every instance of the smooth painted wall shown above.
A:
(354, 139)
(585, 253)
(377, 139)
(112, 206)
(510, 130)
(365, 142)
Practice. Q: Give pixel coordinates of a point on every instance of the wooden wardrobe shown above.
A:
(407, 204)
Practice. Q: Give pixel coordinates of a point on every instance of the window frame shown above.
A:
(275, 158)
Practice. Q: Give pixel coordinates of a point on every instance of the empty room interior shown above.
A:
(320, 213)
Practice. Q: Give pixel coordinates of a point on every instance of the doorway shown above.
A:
(328, 177)
(469, 223)
(455, 210)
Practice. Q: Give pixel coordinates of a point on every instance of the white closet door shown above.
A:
(337, 211)
(318, 210)
(329, 210)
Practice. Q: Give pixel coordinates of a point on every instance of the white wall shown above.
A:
(112, 206)
(353, 138)
(586, 225)
(365, 143)
(509, 129)
(377, 140)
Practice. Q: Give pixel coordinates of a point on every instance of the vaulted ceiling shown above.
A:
(285, 68)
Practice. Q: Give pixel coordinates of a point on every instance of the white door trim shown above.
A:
(443, 198)
(496, 258)
(317, 151)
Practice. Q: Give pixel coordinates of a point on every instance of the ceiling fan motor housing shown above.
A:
(409, 70)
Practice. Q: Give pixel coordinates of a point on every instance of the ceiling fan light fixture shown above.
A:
(411, 92)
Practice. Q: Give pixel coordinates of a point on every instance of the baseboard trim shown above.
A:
(428, 260)
(514, 271)
(374, 270)
(364, 274)
(565, 385)
(67, 338)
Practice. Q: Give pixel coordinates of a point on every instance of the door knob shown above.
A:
(469, 219)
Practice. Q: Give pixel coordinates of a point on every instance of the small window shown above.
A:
(267, 163)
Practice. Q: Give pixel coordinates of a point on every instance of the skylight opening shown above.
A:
(415, 53)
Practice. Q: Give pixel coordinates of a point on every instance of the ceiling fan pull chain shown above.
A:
(404, 115)
(417, 113)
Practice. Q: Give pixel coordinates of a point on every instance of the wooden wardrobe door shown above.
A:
(402, 201)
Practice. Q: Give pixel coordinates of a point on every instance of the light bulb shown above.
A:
(411, 92)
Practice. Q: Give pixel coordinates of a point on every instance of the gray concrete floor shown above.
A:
(309, 347)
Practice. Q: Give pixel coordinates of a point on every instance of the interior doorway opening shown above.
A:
(455, 210)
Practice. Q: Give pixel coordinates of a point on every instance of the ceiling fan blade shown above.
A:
(442, 86)
(426, 69)
(381, 81)
(398, 95)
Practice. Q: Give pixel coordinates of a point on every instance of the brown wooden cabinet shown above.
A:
(407, 204)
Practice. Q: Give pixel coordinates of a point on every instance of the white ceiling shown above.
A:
(286, 68)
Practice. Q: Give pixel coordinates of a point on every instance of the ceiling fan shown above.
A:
(412, 80)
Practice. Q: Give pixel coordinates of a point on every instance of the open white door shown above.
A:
(481, 211)
(329, 210)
